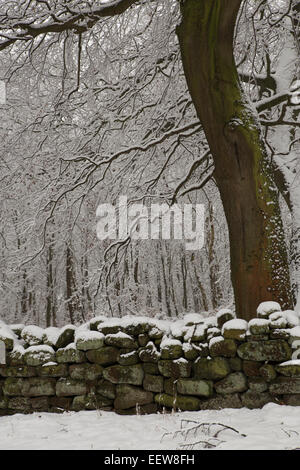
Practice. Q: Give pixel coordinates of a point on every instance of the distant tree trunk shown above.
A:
(50, 314)
(259, 267)
(73, 301)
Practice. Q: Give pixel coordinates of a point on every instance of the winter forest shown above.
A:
(164, 101)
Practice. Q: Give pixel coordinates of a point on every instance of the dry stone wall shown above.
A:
(141, 365)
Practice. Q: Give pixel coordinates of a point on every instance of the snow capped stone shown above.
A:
(259, 326)
(32, 335)
(38, 355)
(291, 317)
(266, 308)
(235, 329)
(87, 339)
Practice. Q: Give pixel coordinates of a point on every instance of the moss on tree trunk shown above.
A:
(259, 267)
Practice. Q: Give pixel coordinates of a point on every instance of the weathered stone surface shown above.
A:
(31, 387)
(106, 389)
(250, 337)
(89, 340)
(213, 332)
(257, 384)
(38, 355)
(70, 354)
(212, 369)
(40, 403)
(38, 386)
(66, 336)
(291, 400)
(121, 340)
(171, 349)
(235, 329)
(155, 333)
(254, 400)
(129, 396)
(104, 356)
(235, 364)
(109, 328)
(3, 403)
(13, 387)
(223, 316)
(288, 369)
(128, 358)
(170, 386)
(196, 387)
(90, 402)
(153, 383)
(285, 386)
(149, 353)
(190, 352)
(202, 349)
(21, 404)
(17, 371)
(32, 335)
(7, 339)
(252, 368)
(53, 370)
(218, 346)
(150, 368)
(85, 371)
(280, 334)
(233, 383)
(184, 403)
(259, 326)
(138, 326)
(95, 322)
(15, 357)
(220, 402)
(60, 404)
(143, 339)
(69, 387)
(133, 375)
(175, 369)
(268, 372)
(273, 350)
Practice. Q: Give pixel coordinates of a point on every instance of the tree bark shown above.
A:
(259, 267)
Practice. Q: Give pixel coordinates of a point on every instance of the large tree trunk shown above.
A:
(259, 268)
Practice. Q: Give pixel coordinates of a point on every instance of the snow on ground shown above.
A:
(274, 427)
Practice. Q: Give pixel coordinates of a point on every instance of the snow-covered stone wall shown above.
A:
(143, 365)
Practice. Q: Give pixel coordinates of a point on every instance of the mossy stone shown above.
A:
(211, 369)
(104, 356)
(175, 369)
(235, 382)
(128, 396)
(85, 371)
(203, 388)
(18, 371)
(53, 370)
(106, 389)
(153, 383)
(184, 403)
(66, 387)
(133, 375)
(273, 350)
(70, 354)
(222, 347)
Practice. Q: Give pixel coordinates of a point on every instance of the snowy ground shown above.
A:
(274, 427)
